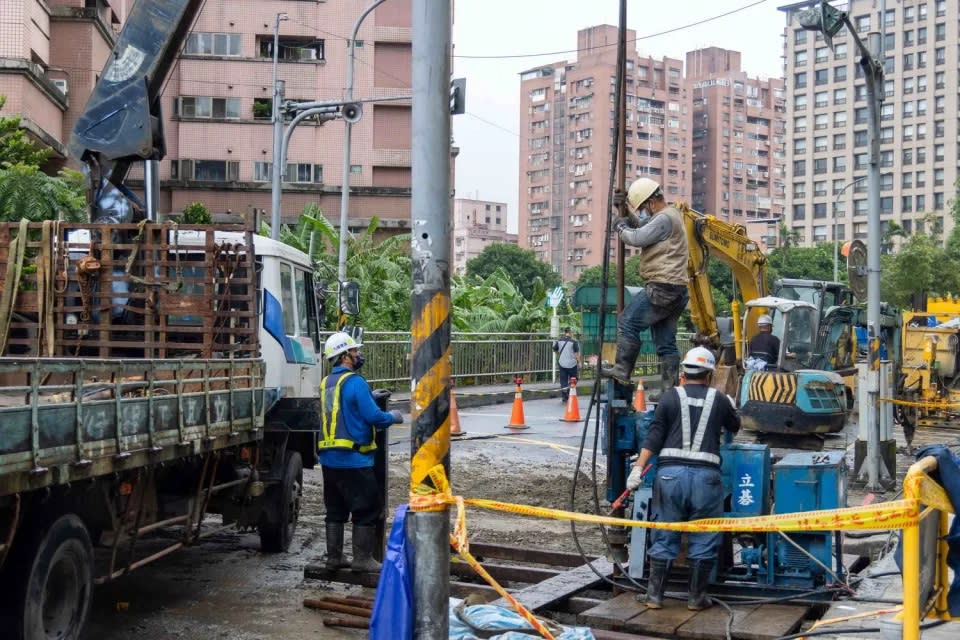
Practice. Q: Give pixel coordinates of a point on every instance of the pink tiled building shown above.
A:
(476, 225)
(566, 124)
(217, 100)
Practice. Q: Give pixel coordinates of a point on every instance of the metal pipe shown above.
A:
(430, 307)
(151, 188)
(160, 524)
(277, 120)
(338, 607)
(347, 134)
(139, 563)
(621, 168)
(836, 248)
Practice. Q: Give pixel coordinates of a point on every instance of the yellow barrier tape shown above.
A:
(933, 405)
(927, 491)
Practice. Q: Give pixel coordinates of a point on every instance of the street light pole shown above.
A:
(836, 248)
(277, 118)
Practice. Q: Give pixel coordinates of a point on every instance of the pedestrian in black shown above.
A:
(568, 359)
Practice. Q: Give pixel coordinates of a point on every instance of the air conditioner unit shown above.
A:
(61, 83)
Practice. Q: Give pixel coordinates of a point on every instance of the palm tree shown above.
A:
(27, 192)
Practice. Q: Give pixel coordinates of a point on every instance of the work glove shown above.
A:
(381, 394)
(620, 225)
(397, 416)
(619, 198)
(635, 479)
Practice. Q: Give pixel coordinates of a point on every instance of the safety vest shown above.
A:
(335, 435)
(691, 450)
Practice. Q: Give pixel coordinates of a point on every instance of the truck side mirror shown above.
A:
(350, 297)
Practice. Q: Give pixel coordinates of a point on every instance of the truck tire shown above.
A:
(54, 579)
(279, 520)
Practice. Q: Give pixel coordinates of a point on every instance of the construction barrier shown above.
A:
(517, 419)
(455, 430)
(640, 398)
(572, 411)
(907, 514)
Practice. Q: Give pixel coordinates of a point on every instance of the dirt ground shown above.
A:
(226, 589)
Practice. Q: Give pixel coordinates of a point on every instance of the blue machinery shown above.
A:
(753, 486)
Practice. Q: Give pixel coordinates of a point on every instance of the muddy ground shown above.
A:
(226, 589)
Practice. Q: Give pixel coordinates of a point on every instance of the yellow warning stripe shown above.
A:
(429, 386)
(432, 316)
(780, 388)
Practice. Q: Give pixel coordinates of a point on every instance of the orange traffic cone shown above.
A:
(454, 417)
(572, 413)
(517, 421)
(640, 398)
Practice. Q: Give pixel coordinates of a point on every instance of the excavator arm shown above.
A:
(709, 237)
(121, 122)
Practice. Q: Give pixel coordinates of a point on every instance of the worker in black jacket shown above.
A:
(686, 433)
(765, 345)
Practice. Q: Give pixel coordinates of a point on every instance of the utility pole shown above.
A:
(276, 173)
(430, 308)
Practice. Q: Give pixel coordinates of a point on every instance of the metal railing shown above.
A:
(480, 358)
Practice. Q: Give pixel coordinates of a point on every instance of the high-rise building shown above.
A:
(218, 98)
(566, 124)
(51, 53)
(827, 120)
(476, 225)
(739, 157)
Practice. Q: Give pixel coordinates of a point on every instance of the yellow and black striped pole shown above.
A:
(430, 308)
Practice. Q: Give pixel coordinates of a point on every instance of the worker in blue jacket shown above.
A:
(350, 415)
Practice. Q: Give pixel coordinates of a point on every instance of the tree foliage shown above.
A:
(196, 213)
(521, 264)
(15, 146)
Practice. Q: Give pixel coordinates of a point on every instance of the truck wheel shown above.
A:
(279, 520)
(55, 582)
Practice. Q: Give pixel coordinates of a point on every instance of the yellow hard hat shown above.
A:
(338, 343)
(640, 191)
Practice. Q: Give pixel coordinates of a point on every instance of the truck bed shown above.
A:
(65, 420)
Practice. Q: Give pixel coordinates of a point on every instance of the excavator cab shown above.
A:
(794, 323)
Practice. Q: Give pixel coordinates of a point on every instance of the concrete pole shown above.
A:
(430, 308)
(347, 134)
(873, 73)
(277, 119)
(621, 167)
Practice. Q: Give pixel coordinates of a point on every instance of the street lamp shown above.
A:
(830, 21)
(836, 249)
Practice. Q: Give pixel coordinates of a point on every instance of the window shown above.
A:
(821, 121)
(286, 298)
(860, 161)
(888, 89)
(208, 170)
(908, 109)
(819, 166)
(921, 84)
(906, 157)
(940, 56)
(839, 96)
(862, 23)
(920, 207)
(907, 180)
(800, 80)
(822, 54)
(800, 124)
(939, 80)
(800, 58)
(860, 138)
(908, 61)
(840, 51)
(800, 145)
(301, 172)
(938, 177)
(921, 131)
(840, 118)
(908, 38)
(800, 36)
(938, 129)
(212, 44)
(921, 59)
(938, 153)
(839, 141)
(821, 76)
(799, 212)
(799, 189)
(860, 93)
(886, 134)
(799, 168)
(921, 180)
(291, 48)
(906, 204)
(840, 74)
(886, 112)
(921, 155)
(886, 182)
(800, 102)
(908, 85)
(839, 164)
(890, 42)
(861, 115)
(886, 158)
(941, 8)
(940, 32)
(859, 207)
(886, 205)
(938, 201)
(820, 211)
(889, 17)
(922, 107)
(821, 99)
(820, 188)
(207, 107)
(820, 143)
(908, 14)
(921, 36)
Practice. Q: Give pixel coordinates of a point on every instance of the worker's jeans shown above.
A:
(565, 374)
(352, 492)
(662, 321)
(682, 493)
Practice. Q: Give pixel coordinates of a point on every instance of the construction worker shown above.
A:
(658, 229)
(349, 415)
(765, 346)
(568, 358)
(685, 433)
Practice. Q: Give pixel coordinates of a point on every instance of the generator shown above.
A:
(753, 486)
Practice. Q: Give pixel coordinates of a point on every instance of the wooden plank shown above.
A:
(712, 623)
(503, 572)
(524, 554)
(613, 613)
(562, 586)
(320, 572)
(486, 593)
(662, 622)
(602, 634)
(771, 621)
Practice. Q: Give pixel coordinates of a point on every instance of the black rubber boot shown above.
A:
(628, 350)
(700, 570)
(669, 373)
(335, 559)
(364, 544)
(656, 583)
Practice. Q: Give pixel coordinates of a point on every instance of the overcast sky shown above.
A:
(488, 133)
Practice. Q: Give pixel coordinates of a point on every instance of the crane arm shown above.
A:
(709, 237)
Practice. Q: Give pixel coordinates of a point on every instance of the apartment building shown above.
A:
(566, 124)
(827, 118)
(217, 101)
(50, 54)
(739, 138)
(477, 224)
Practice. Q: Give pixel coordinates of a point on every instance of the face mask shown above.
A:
(358, 361)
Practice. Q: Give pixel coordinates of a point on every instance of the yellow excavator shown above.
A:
(788, 397)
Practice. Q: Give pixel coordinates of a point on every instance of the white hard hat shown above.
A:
(699, 359)
(338, 343)
(640, 191)
(764, 319)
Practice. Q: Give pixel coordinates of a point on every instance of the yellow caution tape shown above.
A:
(933, 405)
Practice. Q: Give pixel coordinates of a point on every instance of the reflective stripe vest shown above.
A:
(335, 435)
(691, 450)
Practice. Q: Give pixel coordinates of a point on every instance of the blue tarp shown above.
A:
(490, 618)
(392, 617)
(948, 475)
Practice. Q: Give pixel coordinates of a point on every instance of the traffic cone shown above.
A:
(572, 413)
(517, 421)
(640, 398)
(454, 417)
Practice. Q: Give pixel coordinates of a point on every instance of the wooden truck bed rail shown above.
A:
(64, 420)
